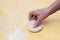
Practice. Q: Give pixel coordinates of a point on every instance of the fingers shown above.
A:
(32, 16)
(37, 23)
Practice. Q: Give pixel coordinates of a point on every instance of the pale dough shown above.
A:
(31, 28)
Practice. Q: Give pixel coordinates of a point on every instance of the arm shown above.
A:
(41, 14)
(54, 6)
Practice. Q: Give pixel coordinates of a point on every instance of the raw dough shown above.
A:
(31, 28)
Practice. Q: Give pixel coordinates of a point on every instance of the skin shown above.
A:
(40, 14)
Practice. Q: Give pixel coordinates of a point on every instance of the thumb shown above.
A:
(38, 22)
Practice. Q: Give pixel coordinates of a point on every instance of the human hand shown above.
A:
(38, 15)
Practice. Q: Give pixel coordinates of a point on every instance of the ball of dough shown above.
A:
(31, 28)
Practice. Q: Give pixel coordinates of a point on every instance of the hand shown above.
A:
(39, 15)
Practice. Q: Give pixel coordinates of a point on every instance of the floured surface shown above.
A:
(30, 25)
(13, 14)
(16, 35)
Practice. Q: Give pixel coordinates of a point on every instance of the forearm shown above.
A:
(54, 7)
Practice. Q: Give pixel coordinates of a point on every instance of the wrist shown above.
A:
(50, 11)
(54, 7)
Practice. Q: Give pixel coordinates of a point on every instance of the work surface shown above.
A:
(13, 14)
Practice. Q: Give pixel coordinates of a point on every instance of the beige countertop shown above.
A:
(13, 14)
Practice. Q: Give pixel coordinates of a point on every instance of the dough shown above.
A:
(31, 28)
